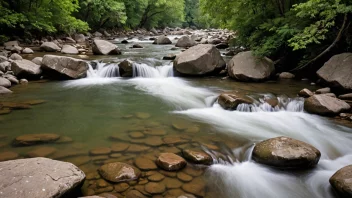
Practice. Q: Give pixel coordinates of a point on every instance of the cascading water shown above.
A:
(283, 104)
(145, 71)
(103, 70)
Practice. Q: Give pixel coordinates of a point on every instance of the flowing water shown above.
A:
(103, 109)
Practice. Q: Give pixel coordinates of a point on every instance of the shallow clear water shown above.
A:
(91, 110)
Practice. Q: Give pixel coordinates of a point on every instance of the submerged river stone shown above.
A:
(197, 157)
(171, 162)
(38, 177)
(32, 139)
(341, 181)
(287, 153)
(119, 172)
(8, 155)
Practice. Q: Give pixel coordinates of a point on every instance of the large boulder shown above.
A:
(101, 47)
(50, 47)
(185, 41)
(38, 177)
(325, 105)
(64, 67)
(199, 60)
(246, 67)
(230, 101)
(341, 181)
(337, 72)
(68, 49)
(25, 68)
(286, 153)
(162, 40)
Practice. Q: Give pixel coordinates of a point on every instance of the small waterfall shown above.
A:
(145, 71)
(283, 104)
(103, 70)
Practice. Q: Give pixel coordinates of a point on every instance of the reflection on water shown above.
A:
(155, 113)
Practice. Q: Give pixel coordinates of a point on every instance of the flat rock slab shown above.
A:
(38, 177)
(171, 162)
(145, 164)
(119, 172)
(31, 139)
(197, 157)
(286, 153)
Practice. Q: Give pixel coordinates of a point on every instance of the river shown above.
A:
(103, 109)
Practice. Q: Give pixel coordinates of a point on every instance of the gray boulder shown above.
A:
(337, 72)
(10, 44)
(154, 31)
(246, 67)
(162, 40)
(3, 58)
(5, 66)
(80, 38)
(199, 60)
(64, 67)
(4, 90)
(286, 153)
(15, 56)
(97, 34)
(185, 41)
(4, 82)
(12, 79)
(50, 47)
(68, 49)
(37, 60)
(38, 177)
(27, 51)
(101, 47)
(25, 68)
(325, 105)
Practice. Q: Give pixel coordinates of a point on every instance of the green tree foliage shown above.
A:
(107, 13)
(40, 16)
(277, 28)
(162, 13)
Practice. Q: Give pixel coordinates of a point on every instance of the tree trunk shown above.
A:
(337, 39)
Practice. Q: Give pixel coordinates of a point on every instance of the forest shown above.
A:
(291, 32)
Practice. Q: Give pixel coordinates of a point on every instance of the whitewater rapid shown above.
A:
(242, 177)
